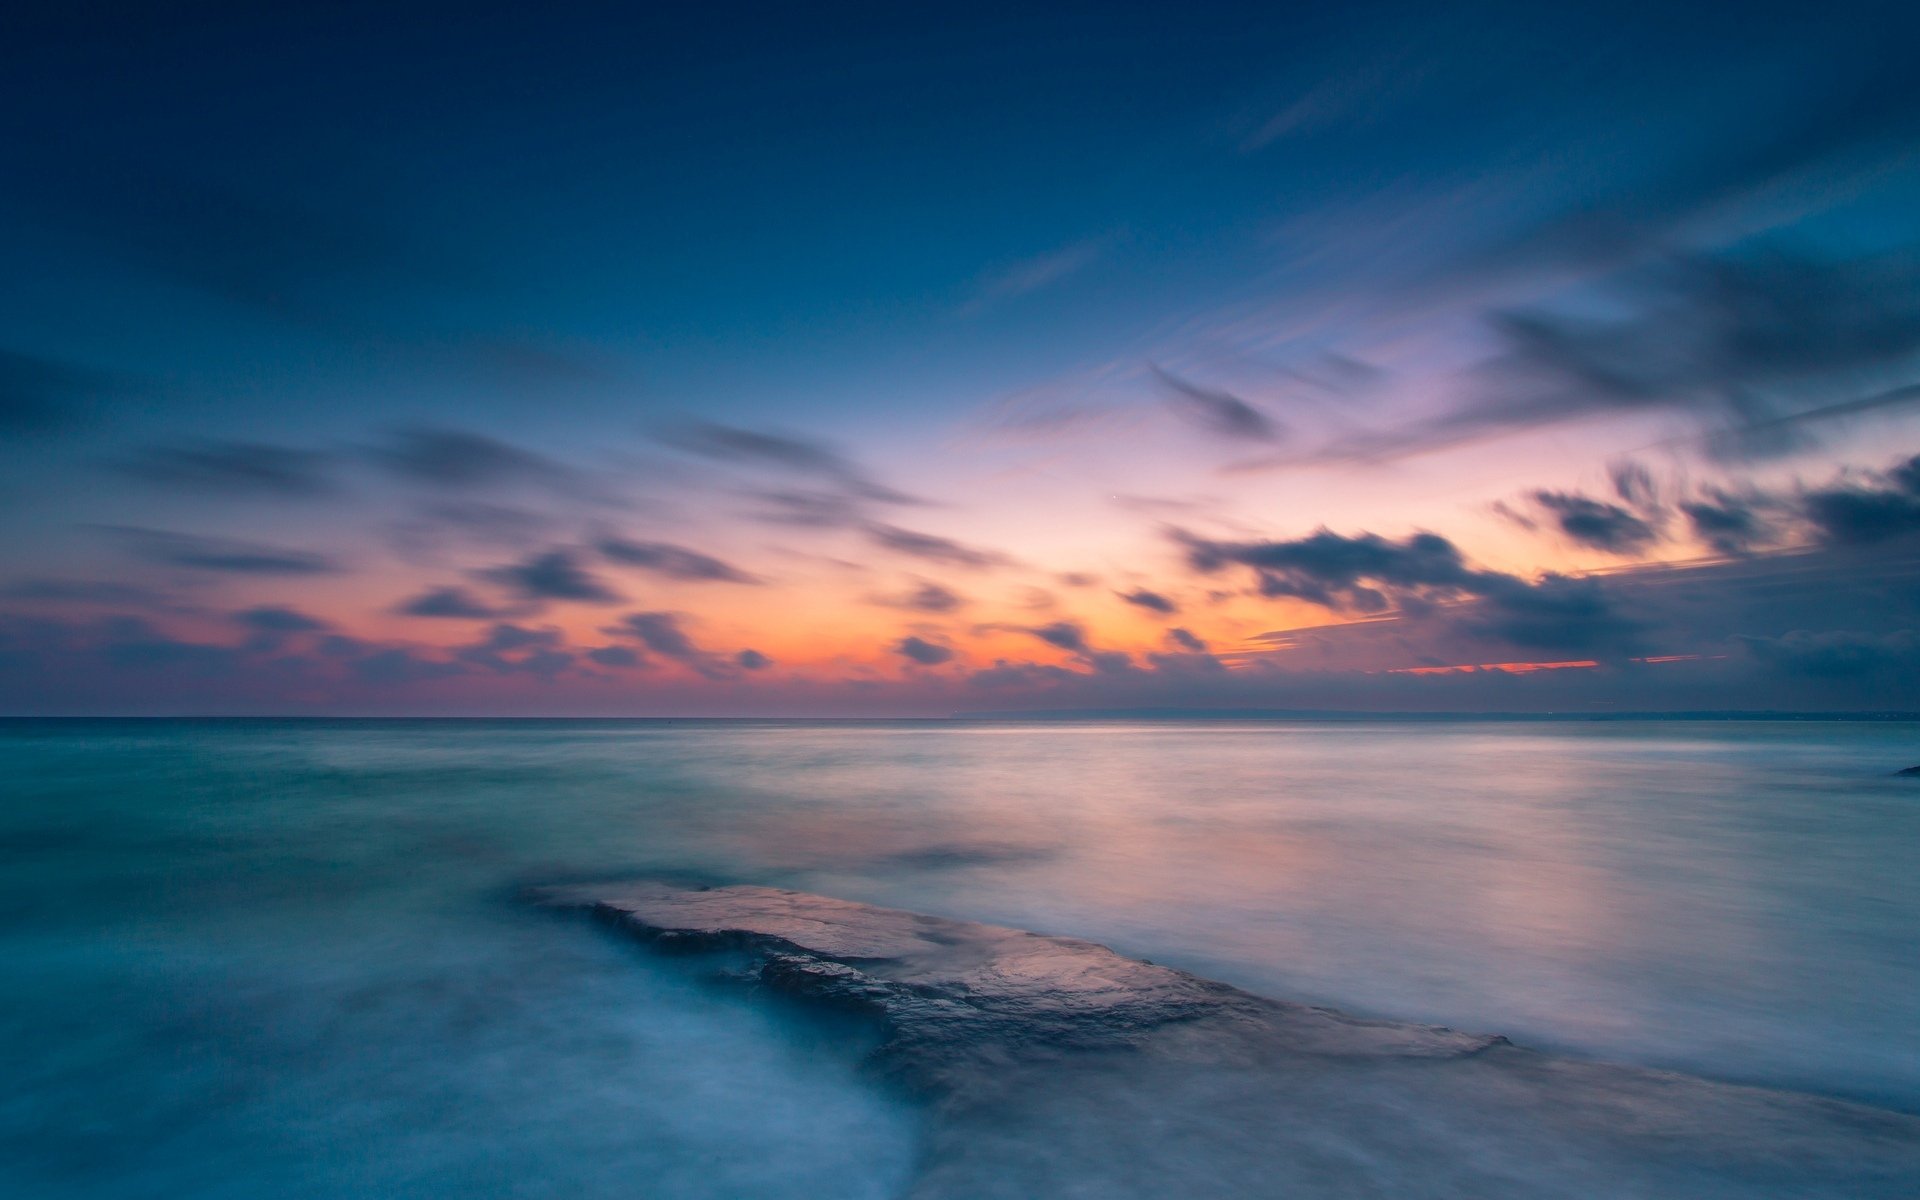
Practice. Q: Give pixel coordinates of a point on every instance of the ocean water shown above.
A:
(287, 959)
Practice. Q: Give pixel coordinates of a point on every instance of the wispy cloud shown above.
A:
(1029, 275)
(220, 554)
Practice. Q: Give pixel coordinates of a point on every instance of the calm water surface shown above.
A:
(284, 959)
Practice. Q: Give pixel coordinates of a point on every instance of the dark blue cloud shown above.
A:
(157, 653)
(619, 657)
(1730, 523)
(807, 508)
(99, 592)
(1218, 412)
(926, 597)
(442, 523)
(1598, 524)
(450, 602)
(220, 554)
(753, 660)
(507, 648)
(661, 633)
(933, 547)
(1019, 676)
(457, 459)
(1755, 345)
(1072, 637)
(674, 562)
(553, 575)
(782, 452)
(1067, 635)
(272, 626)
(277, 618)
(40, 395)
(1364, 573)
(1186, 640)
(1839, 654)
(235, 469)
(1422, 576)
(1151, 601)
(922, 651)
(399, 665)
(1862, 514)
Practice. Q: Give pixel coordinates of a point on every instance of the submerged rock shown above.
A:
(1058, 1067)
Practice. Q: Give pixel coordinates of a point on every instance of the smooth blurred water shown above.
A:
(284, 958)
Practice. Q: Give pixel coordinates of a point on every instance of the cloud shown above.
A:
(1598, 524)
(674, 562)
(102, 592)
(1023, 676)
(933, 547)
(1417, 577)
(553, 575)
(1034, 274)
(456, 459)
(809, 509)
(507, 649)
(753, 660)
(130, 643)
(1064, 634)
(449, 602)
(1839, 653)
(1187, 641)
(272, 625)
(1151, 601)
(1862, 515)
(1738, 339)
(782, 452)
(478, 522)
(660, 632)
(248, 245)
(277, 618)
(1071, 637)
(41, 395)
(1351, 574)
(1218, 412)
(1554, 613)
(926, 597)
(619, 657)
(1751, 345)
(1730, 524)
(1635, 485)
(922, 651)
(399, 665)
(234, 469)
(222, 554)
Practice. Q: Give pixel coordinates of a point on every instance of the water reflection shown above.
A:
(260, 957)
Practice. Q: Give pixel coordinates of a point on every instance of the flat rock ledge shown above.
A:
(1054, 1066)
(948, 992)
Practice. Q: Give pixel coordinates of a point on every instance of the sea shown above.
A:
(295, 959)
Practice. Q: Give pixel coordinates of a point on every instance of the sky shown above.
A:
(612, 359)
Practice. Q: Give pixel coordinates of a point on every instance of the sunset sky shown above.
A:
(607, 359)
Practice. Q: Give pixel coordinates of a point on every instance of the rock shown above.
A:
(1056, 1066)
(1909, 771)
(955, 991)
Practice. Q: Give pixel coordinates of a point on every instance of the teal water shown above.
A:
(285, 959)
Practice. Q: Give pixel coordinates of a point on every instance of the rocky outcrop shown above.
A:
(1909, 771)
(1056, 1066)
